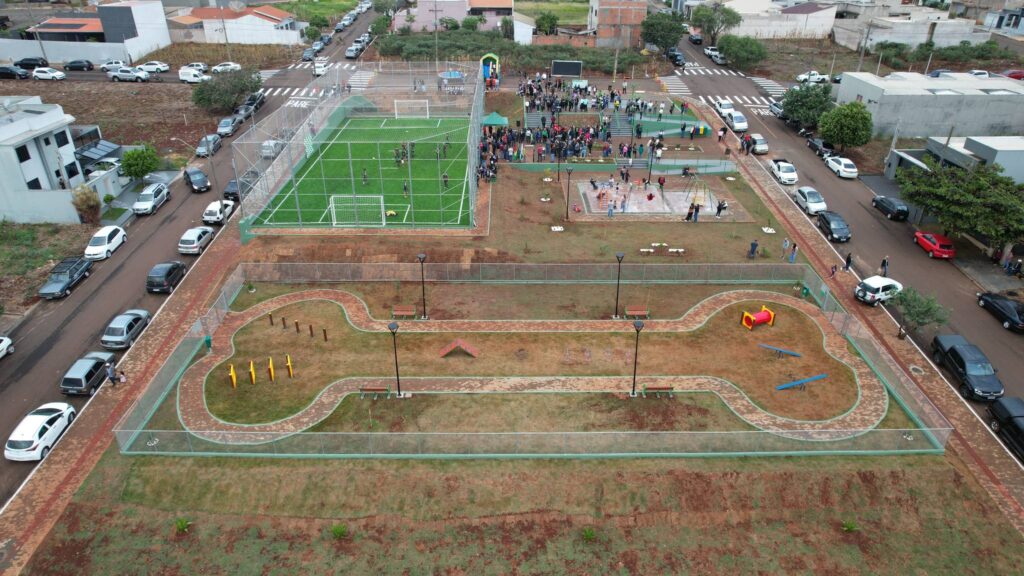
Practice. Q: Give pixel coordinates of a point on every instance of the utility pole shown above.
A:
(879, 67)
(929, 64)
(864, 46)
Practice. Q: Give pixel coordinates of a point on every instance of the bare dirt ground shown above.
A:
(28, 252)
(870, 158)
(258, 56)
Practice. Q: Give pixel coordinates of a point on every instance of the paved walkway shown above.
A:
(869, 409)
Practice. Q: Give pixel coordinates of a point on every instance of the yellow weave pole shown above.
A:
(233, 376)
(288, 363)
(252, 372)
(270, 368)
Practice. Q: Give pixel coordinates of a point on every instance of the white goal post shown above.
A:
(360, 210)
(412, 109)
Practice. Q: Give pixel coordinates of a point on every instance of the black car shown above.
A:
(164, 277)
(1007, 310)
(820, 147)
(13, 72)
(32, 63)
(197, 179)
(84, 65)
(696, 39)
(64, 276)
(308, 54)
(256, 100)
(678, 59)
(893, 208)
(672, 51)
(838, 78)
(970, 366)
(833, 226)
(1008, 421)
(238, 189)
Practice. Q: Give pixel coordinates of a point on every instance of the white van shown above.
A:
(192, 76)
(270, 149)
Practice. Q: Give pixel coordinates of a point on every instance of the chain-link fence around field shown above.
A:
(135, 436)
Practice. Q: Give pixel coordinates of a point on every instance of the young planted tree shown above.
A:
(662, 30)
(919, 310)
(380, 25)
(138, 163)
(471, 23)
(806, 105)
(714, 20)
(547, 22)
(387, 7)
(743, 52)
(319, 21)
(312, 33)
(227, 90)
(846, 125)
(86, 203)
(508, 29)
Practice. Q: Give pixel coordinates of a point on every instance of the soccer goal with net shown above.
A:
(357, 210)
(412, 109)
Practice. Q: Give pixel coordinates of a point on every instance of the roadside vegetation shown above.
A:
(259, 56)
(309, 10)
(27, 251)
(569, 13)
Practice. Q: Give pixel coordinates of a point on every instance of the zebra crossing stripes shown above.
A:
(770, 87)
(712, 72)
(307, 65)
(267, 74)
(360, 80)
(674, 86)
(744, 100)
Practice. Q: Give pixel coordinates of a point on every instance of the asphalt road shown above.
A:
(873, 235)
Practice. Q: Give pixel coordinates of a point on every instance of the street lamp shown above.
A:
(423, 285)
(393, 327)
(568, 185)
(638, 325)
(618, 276)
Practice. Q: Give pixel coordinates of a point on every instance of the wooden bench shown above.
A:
(677, 251)
(670, 390)
(403, 311)
(637, 312)
(385, 390)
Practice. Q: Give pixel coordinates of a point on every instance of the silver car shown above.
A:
(126, 74)
(124, 329)
(195, 240)
(227, 126)
(209, 145)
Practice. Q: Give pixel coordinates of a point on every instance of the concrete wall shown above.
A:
(151, 24)
(522, 33)
(57, 52)
(850, 33)
(564, 40)
(816, 25)
(36, 206)
(247, 30)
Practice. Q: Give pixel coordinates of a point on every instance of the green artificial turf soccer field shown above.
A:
(335, 165)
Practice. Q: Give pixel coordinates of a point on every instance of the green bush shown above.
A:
(588, 534)
(339, 531)
(182, 525)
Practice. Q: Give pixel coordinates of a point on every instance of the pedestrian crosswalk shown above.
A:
(711, 72)
(307, 65)
(361, 80)
(771, 87)
(745, 100)
(267, 74)
(674, 85)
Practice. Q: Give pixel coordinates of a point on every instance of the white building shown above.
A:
(768, 19)
(250, 25)
(37, 159)
(910, 25)
(523, 27)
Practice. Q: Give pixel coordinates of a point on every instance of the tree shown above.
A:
(508, 29)
(662, 30)
(847, 125)
(319, 21)
(387, 7)
(226, 90)
(86, 203)
(137, 163)
(919, 310)
(380, 25)
(471, 23)
(980, 200)
(743, 52)
(449, 23)
(547, 22)
(806, 105)
(312, 33)
(714, 20)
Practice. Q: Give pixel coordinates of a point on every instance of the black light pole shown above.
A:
(568, 185)
(650, 162)
(618, 276)
(423, 284)
(638, 325)
(558, 154)
(393, 327)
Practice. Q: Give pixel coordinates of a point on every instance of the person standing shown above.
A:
(722, 205)
(405, 188)
(122, 378)
(111, 375)
(785, 246)
(885, 266)
(832, 274)
(792, 253)
(661, 184)
(444, 177)
(849, 262)
(366, 180)
(696, 212)
(689, 213)
(753, 249)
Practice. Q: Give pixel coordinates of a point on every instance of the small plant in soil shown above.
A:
(182, 525)
(850, 526)
(339, 531)
(589, 534)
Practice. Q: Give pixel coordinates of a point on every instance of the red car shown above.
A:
(936, 245)
(1015, 74)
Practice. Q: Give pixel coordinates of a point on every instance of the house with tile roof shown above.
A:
(249, 25)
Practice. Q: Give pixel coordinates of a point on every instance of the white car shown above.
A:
(104, 242)
(37, 432)
(723, 107)
(737, 122)
(876, 289)
(200, 66)
(710, 51)
(155, 67)
(218, 212)
(151, 198)
(112, 65)
(226, 67)
(981, 73)
(813, 77)
(783, 171)
(195, 240)
(47, 74)
(809, 200)
(843, 167)
(6, 346)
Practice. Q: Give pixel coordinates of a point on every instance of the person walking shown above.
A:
(444, 177)
(722, 205)
(753, 249)
(792, 253)
(884, 268)
(405, 188)
(785, 246)
(366, 180)
(111, 375)
(832, 274)
(689, 213)
(849, 262)
(721, 133)
(696, 212)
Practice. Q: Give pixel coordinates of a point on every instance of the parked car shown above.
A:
(48, 74)
(226, 67)
(980, 73)
(155, 67)
(352, 52)
(809, 200)
(678, 59)
(936, 245)
(83, 65)
(308, 54)
(31, 63)
(256, 100)
(736, 121)
(776, 109)
(783, 171)
(227, 126)
(238, 189)
(39, 431)
(195, 240)
(105, 242)
(126, 74)
(970, 366)
(14, 73)
(165, 277)
(198, 66)
(877, 289)
(812, 77)
(6, 346)
(842, 167)
(820, 147)
(1007, 420)
(86, 375)
(64, 276)
(112, 65)
(192, 76)
(759, 145)
(893, 208)
(1008, 311)
(833, 226)
(838, 78)
(1015, 74)
(244, 112)
(270, 149)
(719, 58)
(366, 38)
(696, 39)
(340, 27)
(672, 51)
(151, 198)
(723, 107)
(938, 72)
(218, 212)
(325, 39)
(124, 329)
(208, 145)
(196, 179)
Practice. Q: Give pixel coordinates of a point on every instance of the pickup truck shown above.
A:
(813, 77)
(218, 212)
(783, 171)
(969, 365)
(64, 276)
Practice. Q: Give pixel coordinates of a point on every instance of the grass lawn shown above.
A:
(333, 10)
(362, 158)
(917, 515)
(28, 251)
(720, 348)
(568, 13)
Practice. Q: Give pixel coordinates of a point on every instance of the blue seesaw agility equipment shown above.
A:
(779, 352)
(800, 382)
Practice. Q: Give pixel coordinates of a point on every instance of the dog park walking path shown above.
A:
(865, 414)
